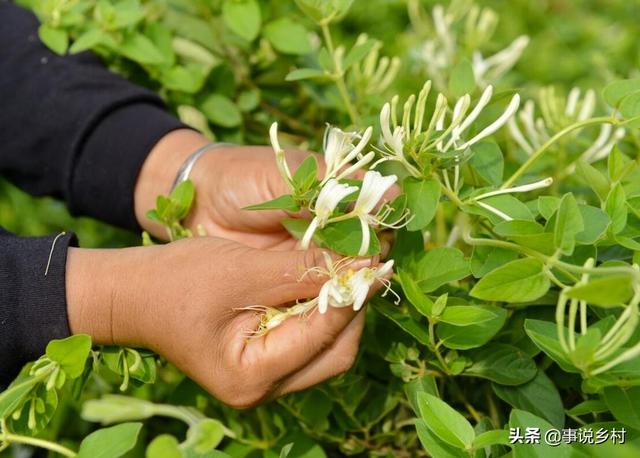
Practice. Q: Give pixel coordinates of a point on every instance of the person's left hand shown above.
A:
(226, 180)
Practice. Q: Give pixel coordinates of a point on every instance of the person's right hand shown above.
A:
(182, 300)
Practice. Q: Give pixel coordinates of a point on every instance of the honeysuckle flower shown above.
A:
(339, 151)
(328, 199)
(441, 52)
(374, 185)
(281, 160)
(516, 189)
(492, 68)
(530, 132)
(400, 142)
(347, 288)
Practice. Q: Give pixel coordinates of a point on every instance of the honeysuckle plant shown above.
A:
(511, 291)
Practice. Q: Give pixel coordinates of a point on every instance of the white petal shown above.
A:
(497, 124)
(323, 297)
(366, 236)
(374, 185)
(308, 235)
(385, 268)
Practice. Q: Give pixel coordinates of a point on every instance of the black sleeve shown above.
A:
(33, 306)
(70, 128)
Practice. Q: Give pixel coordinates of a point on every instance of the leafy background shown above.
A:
(224, 70)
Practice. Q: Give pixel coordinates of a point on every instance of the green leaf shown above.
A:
(494, 437)
(71, 353)
(287, 36)
(285, 202)
(523, 420)
(305, 74)
(426, 383)
(11, 398)
(284, 453)
(91, 39)
(624, 404)
(488, 162)
(547, 206)
(545, 335)
(413, 293)
(588, 407)
(185, 78)
(205, 435)
(462, 80)
(182, 197)
(470, 335)
(445, 422)
(249, 100)
(403, 320)
(345, 238)
(517, 227)
(111, 442)
(323, 10)
(630, 109)
(614, 92)
(618, 165)
(422, 200)
(522, 280)
(593, 178)
(613, 290)
(221, 110)
(538, 396)
(616, 208)
(164, 446)
(55, 39)
(467, 315)
(596, 225)
(435, 446)
(305, 176)
(242, 17)
(485, 259)
(439, 267)
(568, 223)
(139, 48)
(501, 363)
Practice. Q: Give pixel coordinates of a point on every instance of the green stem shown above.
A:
(536, 155)
(41, 443)
(339, 75)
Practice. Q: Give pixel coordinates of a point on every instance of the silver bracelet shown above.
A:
(189, 162)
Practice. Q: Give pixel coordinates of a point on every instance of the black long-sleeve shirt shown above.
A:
(69, 128)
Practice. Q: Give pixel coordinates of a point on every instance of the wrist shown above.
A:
(109, 293)
(159, 170)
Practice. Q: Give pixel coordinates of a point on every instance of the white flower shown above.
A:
(516, 189)
(374, 185)
(281, 160)
(494, 67)
(328, 199)
(348, 288)
(339, 151)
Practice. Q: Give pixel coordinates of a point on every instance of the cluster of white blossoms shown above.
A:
(340, 150)
(344, 287)
(445, 133)
(443, 50)
(531, 132)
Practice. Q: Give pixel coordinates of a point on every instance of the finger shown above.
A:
(336, 360)
(295, 343)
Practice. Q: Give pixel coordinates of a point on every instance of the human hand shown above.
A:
(226, 180)
(184, 301)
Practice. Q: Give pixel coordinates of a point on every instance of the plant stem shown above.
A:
(41, 443)
(536, 155)
(339, 75)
